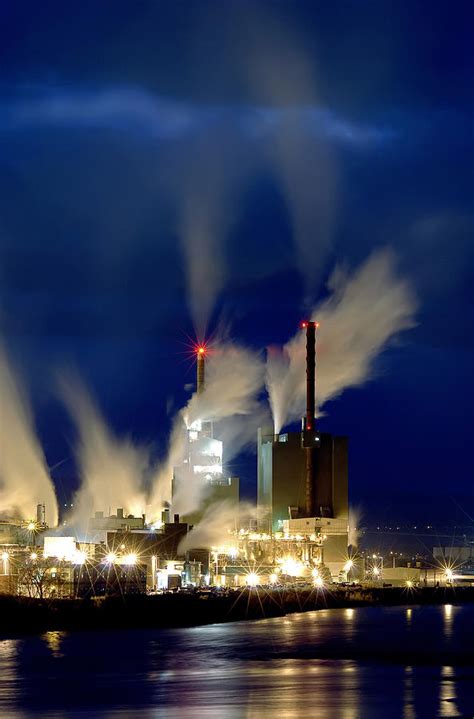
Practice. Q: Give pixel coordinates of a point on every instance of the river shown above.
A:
(362, 663)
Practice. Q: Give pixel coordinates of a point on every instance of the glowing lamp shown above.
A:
(33, 556)
(252, 579)
(111, 557)
(31, 526)
(130, 559)
(5, 556)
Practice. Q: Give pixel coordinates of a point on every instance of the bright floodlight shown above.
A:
(319, 582)
(111, 557)
(315, 573)
(409, 583)
(292, 567)
(31, 526)
(273, 578)
(5, 556)
(376, 571)
(252, 579)
(130, 559)
(449, 575)
(348, 565)
(79, 557)
(33, 555)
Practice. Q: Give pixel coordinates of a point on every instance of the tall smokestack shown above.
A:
(309, 420)
(310, 374)
(201, 351)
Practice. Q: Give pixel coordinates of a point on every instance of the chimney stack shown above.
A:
(201, 351)
(309, 427)
(310, 375)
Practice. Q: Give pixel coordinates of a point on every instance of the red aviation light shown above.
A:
(201, 350)
(304, 324)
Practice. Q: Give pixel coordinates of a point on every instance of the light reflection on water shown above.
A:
(349, 663)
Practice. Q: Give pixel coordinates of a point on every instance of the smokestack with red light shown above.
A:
(309, 420)
(200, 355)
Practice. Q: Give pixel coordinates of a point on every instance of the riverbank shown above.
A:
(22, 615)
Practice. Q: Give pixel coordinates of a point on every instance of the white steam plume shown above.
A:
(234, 380)
(214, 530)
(282, 73)
(355, 530)
(24, 476)
(112, 470)
(206, 200)
(364, 311)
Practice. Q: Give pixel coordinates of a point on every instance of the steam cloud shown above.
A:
(364, 311)
(218, 521)
(24, 476)
(234, 380)
(112, 470)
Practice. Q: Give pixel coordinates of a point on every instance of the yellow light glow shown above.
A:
(33, 555)
(252, 579)
(348, 565)
(376, 571)
(111, 557)
(409, 583)
(31, 526)
(79, 557)
(315, 573)
(292, 567)
(5, 556)
(319, 582)
(273, 578)
(130, 559)
(449, 574)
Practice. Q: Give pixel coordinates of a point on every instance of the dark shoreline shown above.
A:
(21, 616)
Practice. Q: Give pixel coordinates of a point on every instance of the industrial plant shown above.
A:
(298, 535)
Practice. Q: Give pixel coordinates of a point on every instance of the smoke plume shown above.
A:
(234, 380)
(24, 476)
(112, 470)
(214, 530)
(282, 73)
(363, 312)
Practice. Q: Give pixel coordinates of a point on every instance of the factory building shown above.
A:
(203, 461)
(281, 476)
(303, 478)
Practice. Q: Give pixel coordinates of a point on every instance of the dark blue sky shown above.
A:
(118, 119)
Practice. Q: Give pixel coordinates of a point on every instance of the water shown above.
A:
(338, 663)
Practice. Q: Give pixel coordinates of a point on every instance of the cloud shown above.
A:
(136, 109)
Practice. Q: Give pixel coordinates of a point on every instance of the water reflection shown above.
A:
(346, 663)
(447, 693)
(408, 694)
(53, 641)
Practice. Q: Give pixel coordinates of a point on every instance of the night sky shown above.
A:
(123, 124)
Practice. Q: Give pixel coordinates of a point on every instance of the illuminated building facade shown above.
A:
(203, 461)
